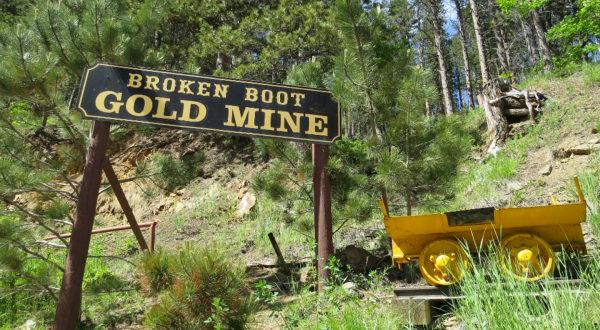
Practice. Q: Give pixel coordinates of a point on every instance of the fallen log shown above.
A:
(510, 112)
(515, 99)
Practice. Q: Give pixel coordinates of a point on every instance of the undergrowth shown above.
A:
(366, 306)
(199, 287)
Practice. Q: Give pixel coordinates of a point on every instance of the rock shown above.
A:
(247, 246)
(245, 205)
(307, 275)
(242, 192)
(594, 141)
(453, 323)
(560, 153)
(29, 325)
(546, 170)
(351, 289)
(163, 204)
(359, 259)
(582, 149)
(350, 286)
(514, 185)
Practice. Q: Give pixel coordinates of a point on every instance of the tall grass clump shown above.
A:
(493, 299)
(339, 310)
(205, 289)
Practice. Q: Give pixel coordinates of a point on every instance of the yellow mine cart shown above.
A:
(528, 237)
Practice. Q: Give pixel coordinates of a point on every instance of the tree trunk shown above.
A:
(598, 44)
(421, 51)
(439, 48)
(500, 43)
(534, 57)
(582, 44)
(222, 61)
(506, 47)
(463, 44)
(545, 51)
(458, 90)
(485, 75)
(408, 198)
(497, 123)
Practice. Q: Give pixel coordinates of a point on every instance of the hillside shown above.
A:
(437, 105)
(203, 210)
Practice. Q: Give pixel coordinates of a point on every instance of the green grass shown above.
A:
(494, 300)
(340, 310)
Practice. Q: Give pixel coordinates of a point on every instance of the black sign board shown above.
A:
(131, 94)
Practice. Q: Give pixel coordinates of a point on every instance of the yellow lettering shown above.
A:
(187, 111)
(267, 124)
(115, 106)
(160, 111)
(202, 86)
(282, 98)
(151, 83)
(286, 118)
(135, 80)
(251, 94)
(316, 122)
(184, 87)
(170, 81)
(221, 91)
(265, 98)
(130, 106)
(246, 120)
(297, 96)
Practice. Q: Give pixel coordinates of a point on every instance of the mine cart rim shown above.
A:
(437, 255)
(518, 255)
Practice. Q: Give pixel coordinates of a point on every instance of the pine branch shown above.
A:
(25, 249)
(37, 282)
(38, 221)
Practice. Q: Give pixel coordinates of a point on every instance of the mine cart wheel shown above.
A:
(527, 257)
(443, 262)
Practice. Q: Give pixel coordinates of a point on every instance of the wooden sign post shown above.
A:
(322, 204)
(130, 94)
(69, 301)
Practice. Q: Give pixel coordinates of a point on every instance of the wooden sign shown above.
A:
(130, 94)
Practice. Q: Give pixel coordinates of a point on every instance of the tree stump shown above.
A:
(501, 100)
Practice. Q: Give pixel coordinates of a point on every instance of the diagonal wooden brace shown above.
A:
(116, 186)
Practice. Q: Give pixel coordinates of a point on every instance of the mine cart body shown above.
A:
(559, 225)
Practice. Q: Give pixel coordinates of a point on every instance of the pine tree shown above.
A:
(42, 141)
(252, 39)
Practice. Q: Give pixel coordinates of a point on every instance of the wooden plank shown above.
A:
(279, 254)
(69, 301)
(114, 182)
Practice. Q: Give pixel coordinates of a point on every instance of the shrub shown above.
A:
(155, 272)
(208, 291)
